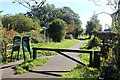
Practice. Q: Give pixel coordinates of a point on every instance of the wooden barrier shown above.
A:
(70, 50)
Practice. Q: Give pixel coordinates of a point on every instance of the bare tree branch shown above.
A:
(24, 5)
(42, 3)
(27, 3)
(95, 2)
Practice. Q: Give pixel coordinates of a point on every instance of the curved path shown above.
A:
(57, 66)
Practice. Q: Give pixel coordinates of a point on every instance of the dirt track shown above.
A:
(57, 66)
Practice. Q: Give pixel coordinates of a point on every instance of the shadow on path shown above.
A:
(51, 73)
(9, 66)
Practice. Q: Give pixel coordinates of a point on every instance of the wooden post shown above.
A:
(5, 52)
(91, 60)
(96, 60)
(34, 53)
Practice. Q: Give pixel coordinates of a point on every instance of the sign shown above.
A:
(25, 44)
(16, 43)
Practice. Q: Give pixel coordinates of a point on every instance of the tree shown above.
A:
(57, 30)
(93, 25)
(20, 23)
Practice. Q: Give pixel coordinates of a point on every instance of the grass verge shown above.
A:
(30, 64)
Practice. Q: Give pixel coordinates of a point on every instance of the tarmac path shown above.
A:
(56, 66)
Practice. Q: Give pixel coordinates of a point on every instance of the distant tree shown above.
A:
(19, 23)
(57, 30)
(93, 25)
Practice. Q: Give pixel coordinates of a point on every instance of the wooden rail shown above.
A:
(68, 50)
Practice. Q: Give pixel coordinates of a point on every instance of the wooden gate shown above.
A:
(94, 60)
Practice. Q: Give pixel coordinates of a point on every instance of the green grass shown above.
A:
(61, 45)
(64, 44)
(29, 65)
(83, 72)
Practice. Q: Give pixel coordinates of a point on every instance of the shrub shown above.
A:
(57, 30)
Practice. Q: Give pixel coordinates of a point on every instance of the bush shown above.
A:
(57, 30)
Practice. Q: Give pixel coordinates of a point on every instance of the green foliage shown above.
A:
(20, 70)
(83, 72)
(19, 23)
(57, 30)
(30, 64)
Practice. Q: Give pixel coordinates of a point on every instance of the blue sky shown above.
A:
(85, 9)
